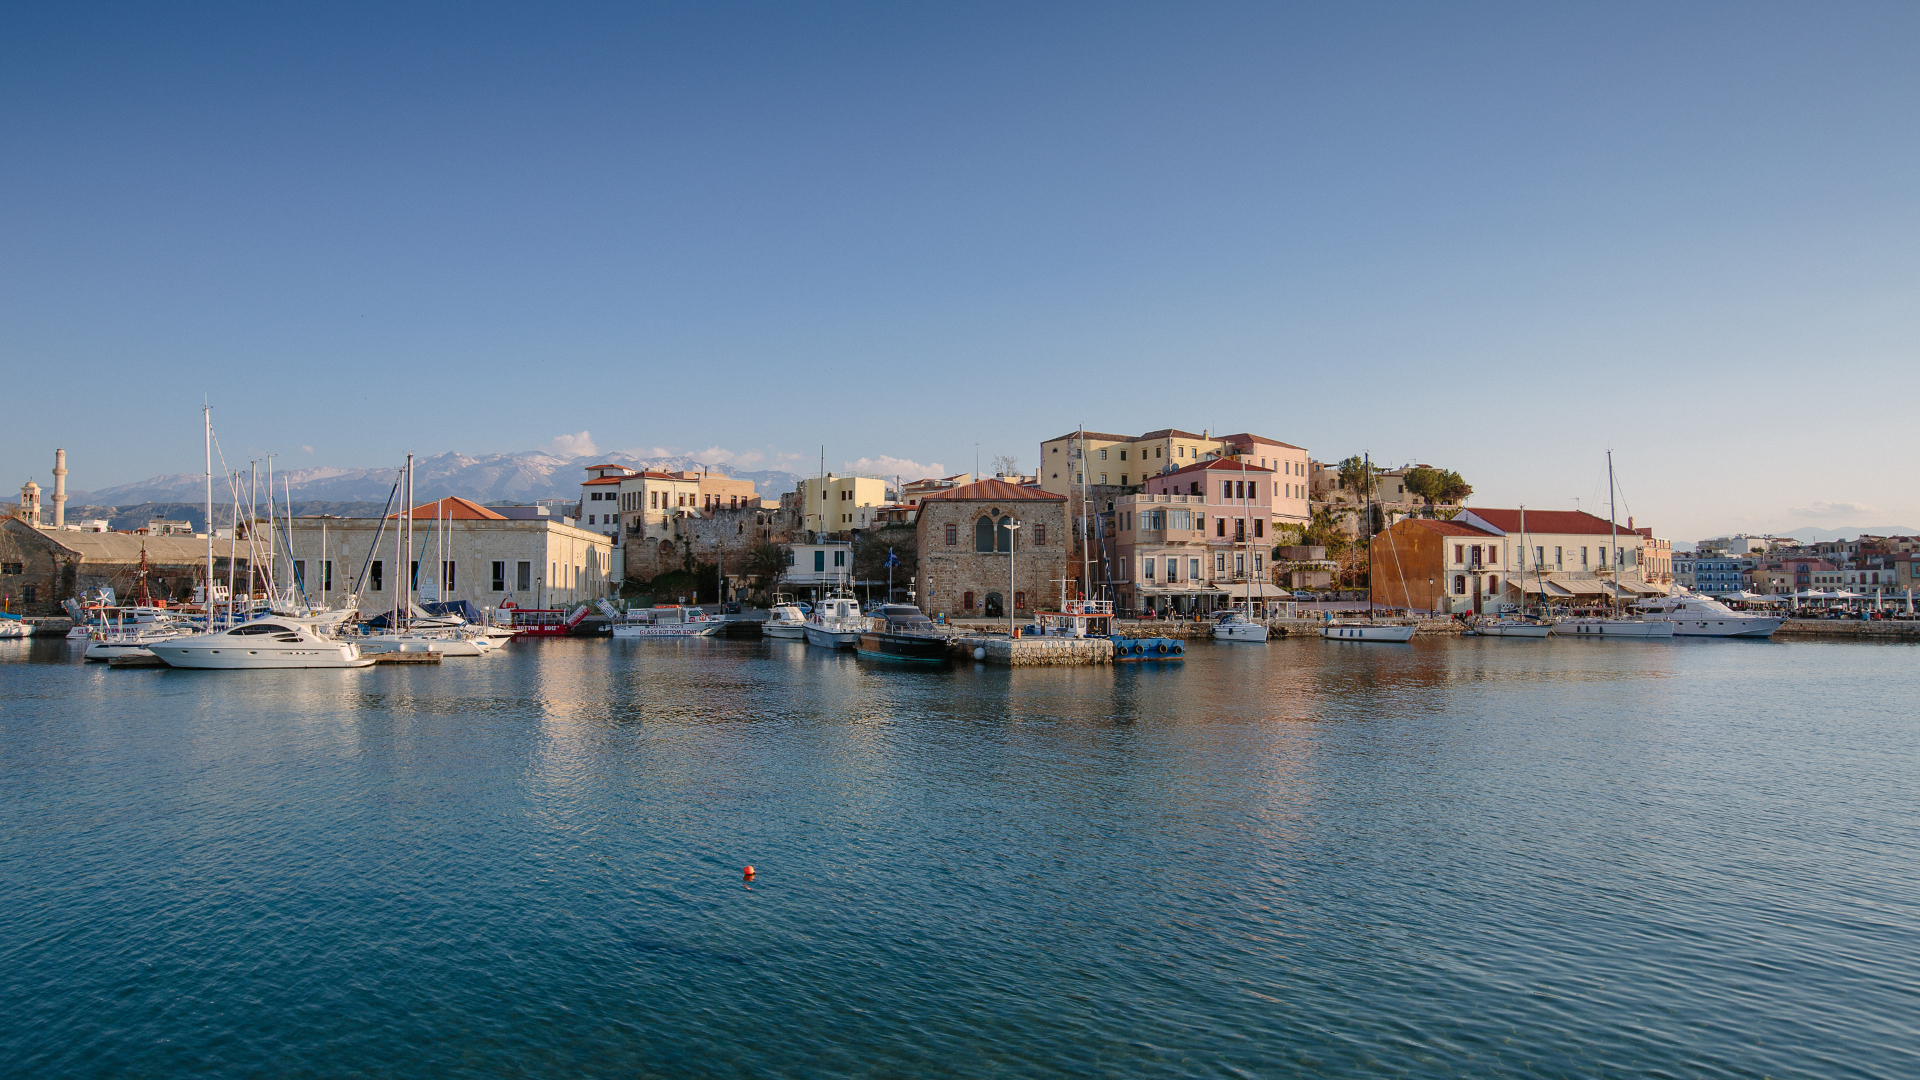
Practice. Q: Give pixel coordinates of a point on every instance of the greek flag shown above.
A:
(892, 559)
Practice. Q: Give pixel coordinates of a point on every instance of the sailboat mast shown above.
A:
(1614, 530)
(1086, 541)
(1246, 543)
(1366, 528)
(207, 413)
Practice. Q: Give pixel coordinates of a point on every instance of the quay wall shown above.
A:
(1036, 651)
(1883, 630)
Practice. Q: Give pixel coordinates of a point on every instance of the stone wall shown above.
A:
(948, 572)
(702, 538)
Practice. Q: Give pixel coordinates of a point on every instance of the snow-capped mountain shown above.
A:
(492, 478)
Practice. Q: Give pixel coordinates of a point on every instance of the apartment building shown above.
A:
(834, 504)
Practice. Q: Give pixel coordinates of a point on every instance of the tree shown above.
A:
(1424, 482)
(766, 564)
(1453, 487)
(1358, 476)
(870, 554)
(1006, 465)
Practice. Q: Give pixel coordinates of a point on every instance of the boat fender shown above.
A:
(979, 653)
(1178, 648)
(1159, 646)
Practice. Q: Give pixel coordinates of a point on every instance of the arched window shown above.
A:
(1003, 536)
(966, 602)
(1019, 601)
(983, 534)
(995, 607)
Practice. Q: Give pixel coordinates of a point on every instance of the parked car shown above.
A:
(732, 607)
(1302, 594)
(805, 608)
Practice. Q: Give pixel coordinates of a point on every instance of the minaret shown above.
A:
(59, 489)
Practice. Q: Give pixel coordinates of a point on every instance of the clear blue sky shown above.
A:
(1498, 238)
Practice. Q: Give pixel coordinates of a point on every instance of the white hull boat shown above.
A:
(1694, 615)
(1237, 627)
(1614, 629)
(444, 644)
(256, 646)
(1398, 633)
(837, 623)
(1512, 628)
(14, 628)
(664, 621)
(784, 621)
(106, 647)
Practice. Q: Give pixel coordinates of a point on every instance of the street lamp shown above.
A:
(1429, 596)
(1013, 528)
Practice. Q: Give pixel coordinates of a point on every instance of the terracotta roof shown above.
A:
(1577, 522)
(454, 507)
(1169, 433)
(1222, 464)
(994, 491)
(1446, 528)
(602, 480)
(1247, 436)
(1074, 435)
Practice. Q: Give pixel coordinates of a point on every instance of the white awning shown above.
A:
(1257, 590)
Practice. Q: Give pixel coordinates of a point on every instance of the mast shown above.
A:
(1614, 529)
(1366, 481)
(1246, 533)
(207, 413)
(406, 563)
(1086, 541)
(272, 562)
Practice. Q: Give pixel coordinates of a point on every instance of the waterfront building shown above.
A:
(600, 505)
(1164, 560)
(1430, 564)
(520, 555)
(1683, 569)
(1577, 555)
(41, 566)
(816, 569)
(1391, 499)
(1718, 575)
(838, 504)
(965, 546)
(1236, 499)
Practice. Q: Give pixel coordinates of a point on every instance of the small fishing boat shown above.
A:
(785, 620)
(902, 632)
(837, 623)
(1236, 626)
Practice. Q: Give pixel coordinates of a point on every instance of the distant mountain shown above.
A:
(1815, 536)
(494, 478)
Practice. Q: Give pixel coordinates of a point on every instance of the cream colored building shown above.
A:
(649, 501)
(841, 503)
(491, 558)
(1120, 460)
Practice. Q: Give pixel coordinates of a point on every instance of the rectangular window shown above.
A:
(499, 576)
(839, 558)
(1459, 554)
(1103, 476)
(1493, 555)
(1039, 534)
(1219, 562)
(1239, 563)
(1193, 569)
(953, 535)
(1146, 567)
(1123, 476)
(1259, 527)
(300, 573)
(1182, 519)
(523, 576)
(1123, 455)
(1556, 558)
(30, 594)
(1226, 491)
(413, 574)
(379, 574)
(1173, 570)
(13, 569)
(449, 568)
(1103, 454)
(820, 562)
(1257, 557)
(1220, 526)
(326, 575)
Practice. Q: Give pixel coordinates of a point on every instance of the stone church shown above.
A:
(967, 535)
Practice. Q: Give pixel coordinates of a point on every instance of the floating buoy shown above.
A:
(748, 873)
(980, 653)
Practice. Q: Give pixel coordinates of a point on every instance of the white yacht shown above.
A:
(15, 628)
(1235, 626)
(1614, 629)
(446, 642)
(107, 644)
(837, 623)
(785, 621)
(1695, 615)
(264, 644)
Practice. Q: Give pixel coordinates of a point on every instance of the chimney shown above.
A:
(59, 489)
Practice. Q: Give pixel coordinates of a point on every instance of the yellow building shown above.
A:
(841, 503)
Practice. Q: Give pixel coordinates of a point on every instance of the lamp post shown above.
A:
(1429, 596)
(1013, 532)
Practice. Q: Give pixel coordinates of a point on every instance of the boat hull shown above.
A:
(1614, 630)
(1240, 632)
(914, 647)
(666, 630)
(1727, 628)
(1386, 632)
(227, 657)
(1512, 630)
(832, 639)
(1128, 650)
(792, 631)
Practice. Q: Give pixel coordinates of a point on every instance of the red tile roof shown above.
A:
(602, 480)
(454, 507)
(1220, 464)
(1447, 528)
(1249, 437)
(994, 491)
(1075, 435)
(1546, 521)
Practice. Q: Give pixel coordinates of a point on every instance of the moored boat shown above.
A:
(1696, 615)
(1511, 628)
(902, 632)
(259, 645)
(1340, 630)
(1128, 650)
(785, 620)
(667, 621)
(836, 623)
(1613, 629)
(1236, 626)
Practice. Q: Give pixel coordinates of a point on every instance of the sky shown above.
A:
(1502, 239)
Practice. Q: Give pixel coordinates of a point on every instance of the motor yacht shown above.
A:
(255, 645)
(1595, 628)
(785, 621)
(1693, 614)
(902, 632)
(836, 623)
(1235, 626)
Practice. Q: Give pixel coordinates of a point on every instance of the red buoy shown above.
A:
(749, 873)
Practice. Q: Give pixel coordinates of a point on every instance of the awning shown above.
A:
(1258, 590)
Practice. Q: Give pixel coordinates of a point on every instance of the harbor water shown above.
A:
(1459, 857)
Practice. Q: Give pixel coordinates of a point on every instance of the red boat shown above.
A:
(545, 622)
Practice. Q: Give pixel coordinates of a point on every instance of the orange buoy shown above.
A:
(749, 873)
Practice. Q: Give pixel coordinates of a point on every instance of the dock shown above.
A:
(1032, 651)
(407, 658)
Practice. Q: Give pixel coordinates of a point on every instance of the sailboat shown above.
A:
(1521, 627)
(1352, 629)
(1615, 626)
(1240, 625)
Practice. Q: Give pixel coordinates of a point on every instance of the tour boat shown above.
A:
(667, 621)
(1397, 633)
(1082, 618)
(1235, 626)
(544, 622)
(836, 623)
(1695, 615)
(785, 621)
(255, 645)
(902, 632)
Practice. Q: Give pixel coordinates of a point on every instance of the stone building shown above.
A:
(966, 543)
(690, 537)
(39, 567)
